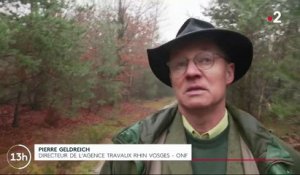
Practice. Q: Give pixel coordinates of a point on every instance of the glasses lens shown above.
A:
(204, 60)
(178, 66)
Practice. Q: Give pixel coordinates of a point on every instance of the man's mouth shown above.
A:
(195, 90)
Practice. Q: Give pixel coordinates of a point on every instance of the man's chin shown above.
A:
(195, 104)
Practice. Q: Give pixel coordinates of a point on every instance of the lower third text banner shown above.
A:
(91, 152)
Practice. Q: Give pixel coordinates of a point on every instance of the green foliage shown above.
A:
(56, 43)
(46, 58)
(283, 109)
(109, 67)
(5, 34)
(286, 95)
(109, 90)
(65, 57)
(147, 86)
(271, 87)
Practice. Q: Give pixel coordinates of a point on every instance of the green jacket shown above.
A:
(263, 144)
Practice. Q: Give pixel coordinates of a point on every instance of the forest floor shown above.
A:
(87, 128)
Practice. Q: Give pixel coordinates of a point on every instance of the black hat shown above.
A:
(235, 45)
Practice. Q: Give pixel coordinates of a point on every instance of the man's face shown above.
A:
(199, 82)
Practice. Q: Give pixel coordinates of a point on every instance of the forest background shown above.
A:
(77, 72)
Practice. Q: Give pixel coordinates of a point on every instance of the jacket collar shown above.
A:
(175, 135)
(261, 143)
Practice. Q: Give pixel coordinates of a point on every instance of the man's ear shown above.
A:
(230, 73)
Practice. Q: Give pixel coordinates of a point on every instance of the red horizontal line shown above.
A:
(232, 160)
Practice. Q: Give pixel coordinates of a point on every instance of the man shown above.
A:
(199, 64)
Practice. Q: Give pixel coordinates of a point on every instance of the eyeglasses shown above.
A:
(203, 60)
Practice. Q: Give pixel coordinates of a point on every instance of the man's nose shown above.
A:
(192, 69)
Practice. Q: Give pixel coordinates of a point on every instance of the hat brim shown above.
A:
(235, 45)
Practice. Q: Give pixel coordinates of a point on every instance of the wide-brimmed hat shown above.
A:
(235, 45)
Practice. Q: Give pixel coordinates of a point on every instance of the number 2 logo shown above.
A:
(277, 15)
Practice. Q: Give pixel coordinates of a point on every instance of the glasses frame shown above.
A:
(214, 55)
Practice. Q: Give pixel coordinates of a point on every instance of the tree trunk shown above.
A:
(261, 99)
(15, 122)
